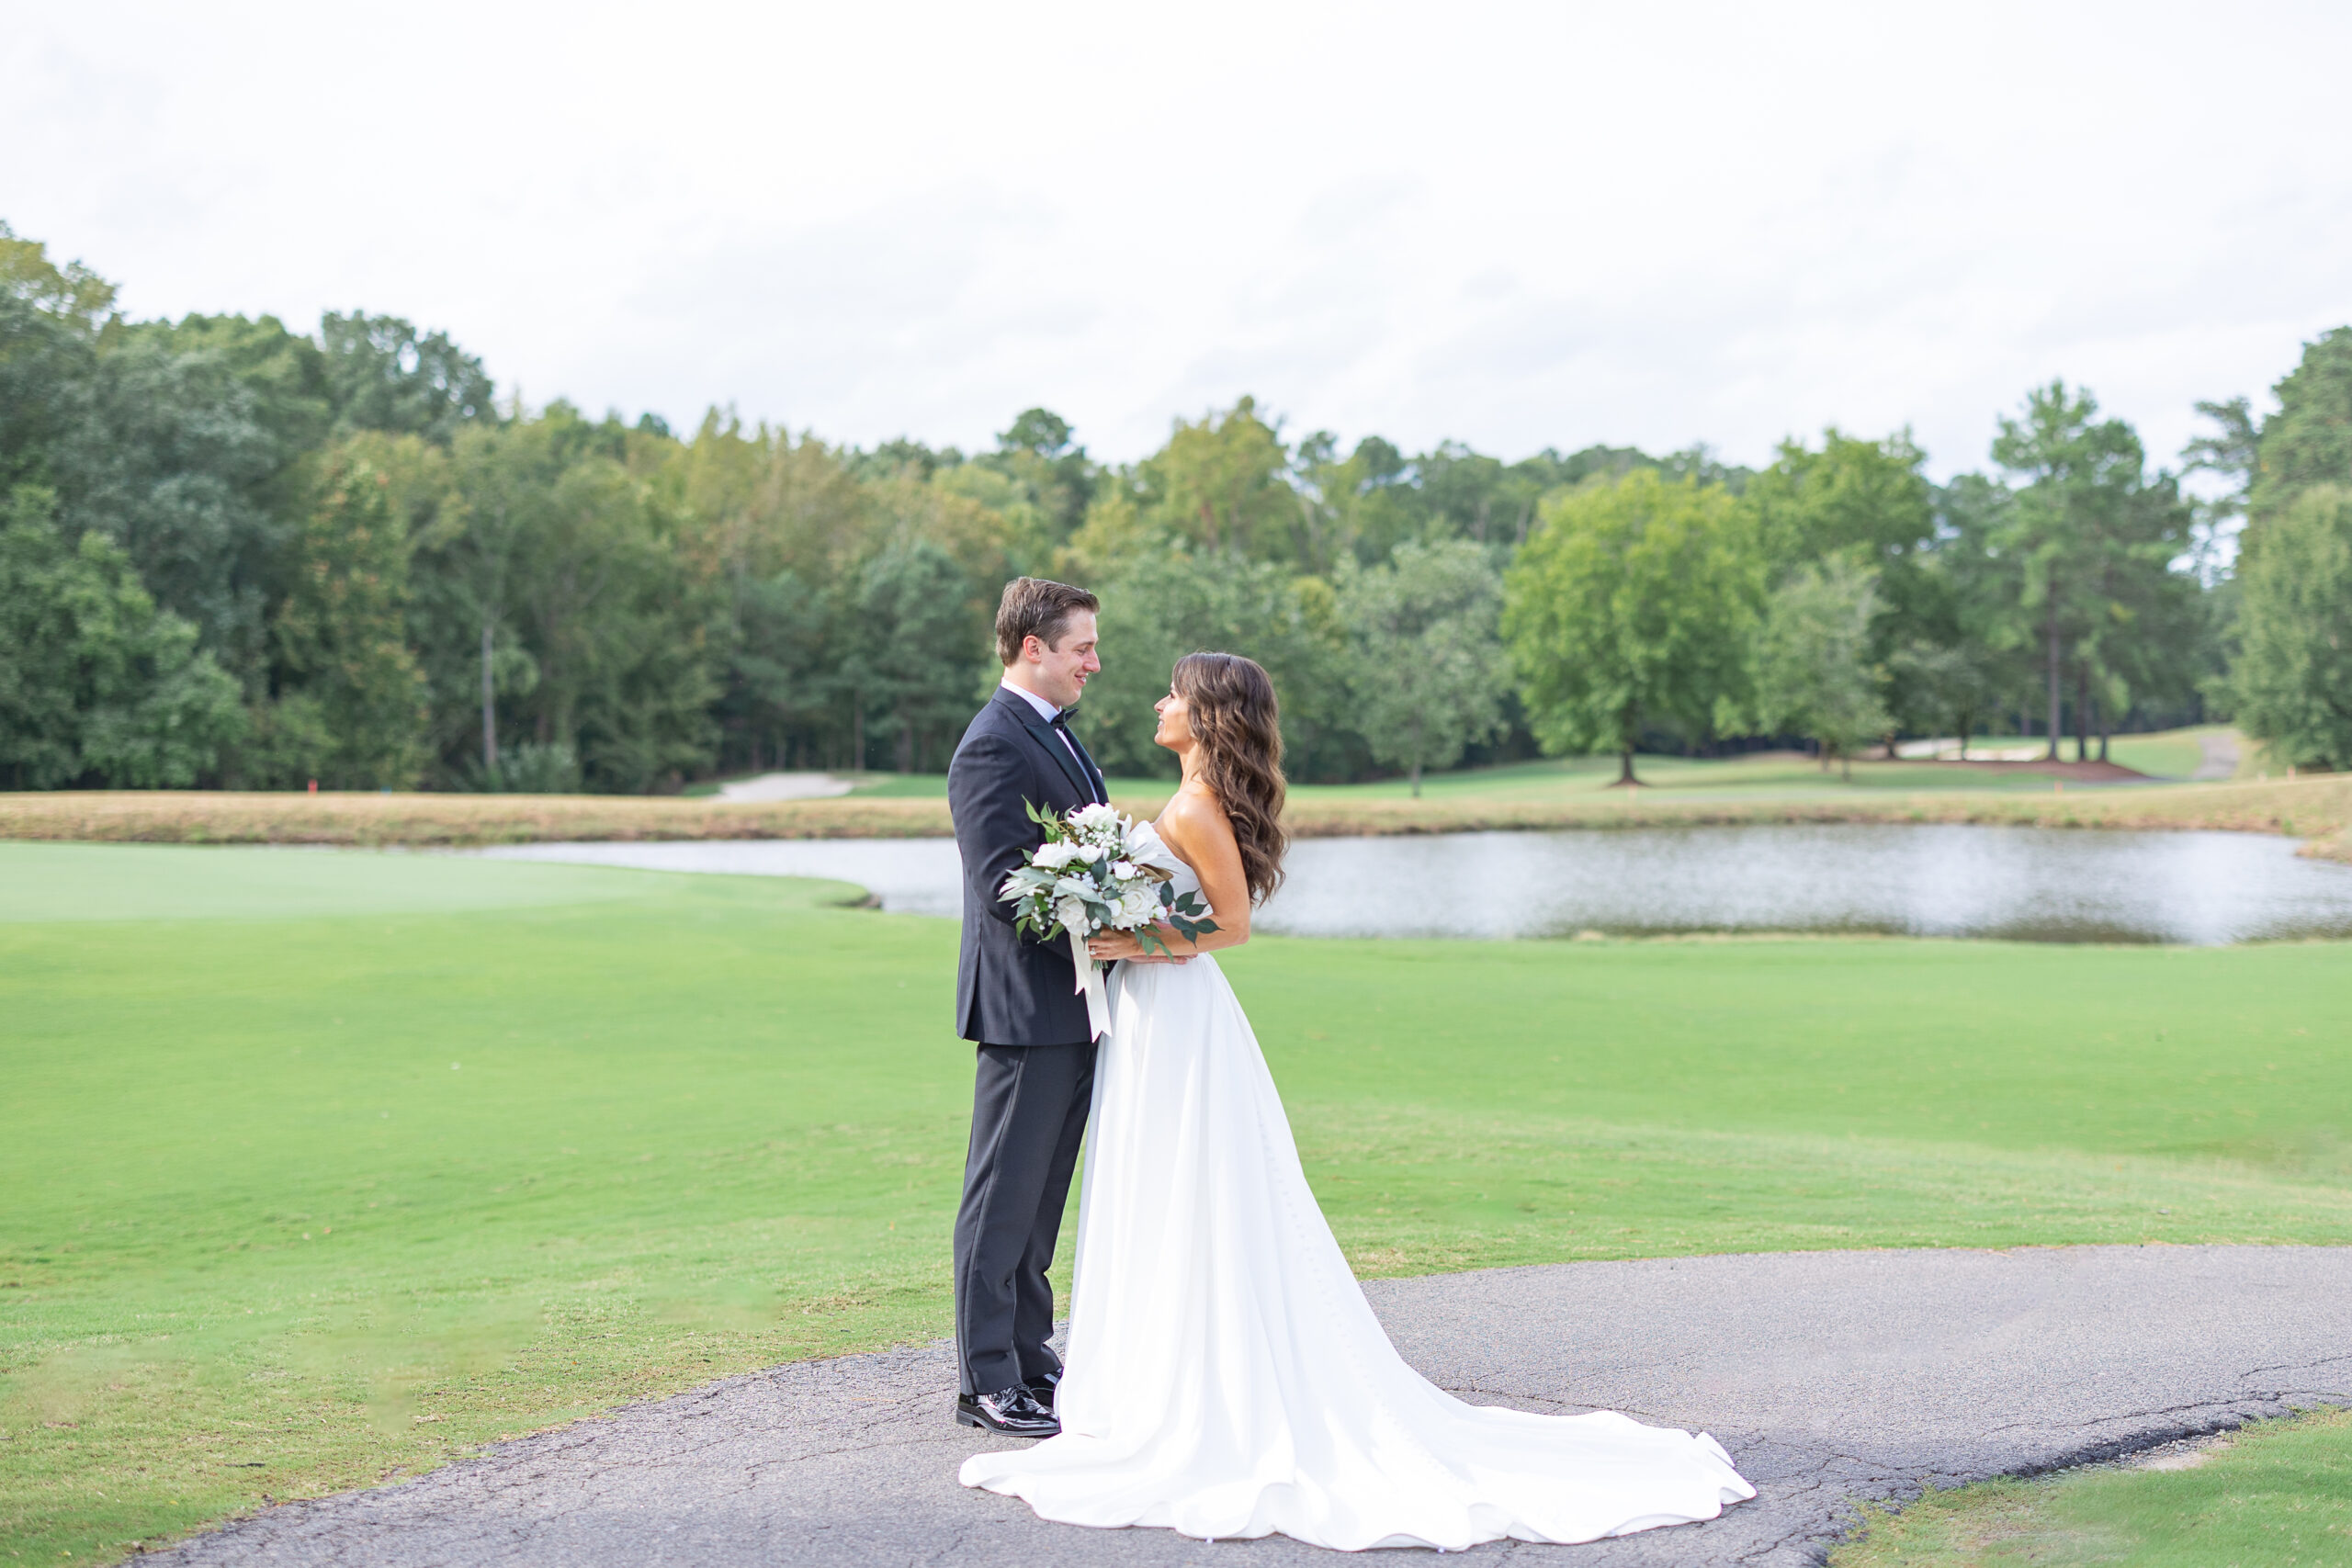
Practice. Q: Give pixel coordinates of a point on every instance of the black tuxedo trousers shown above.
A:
(1016, 999)
(1029, 1106)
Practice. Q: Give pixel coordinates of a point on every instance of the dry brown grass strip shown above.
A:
(2318, 808)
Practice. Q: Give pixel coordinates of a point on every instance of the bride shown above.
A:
(1226, 1376)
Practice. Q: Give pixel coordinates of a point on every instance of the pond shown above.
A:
(2018, 883)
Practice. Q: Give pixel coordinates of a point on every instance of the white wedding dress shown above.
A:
(1226, 1376)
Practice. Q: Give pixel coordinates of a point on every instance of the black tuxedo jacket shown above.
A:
(1011, 989)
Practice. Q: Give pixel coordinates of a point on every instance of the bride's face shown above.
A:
(1175, 730)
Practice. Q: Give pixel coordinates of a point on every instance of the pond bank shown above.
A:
(2318, 809)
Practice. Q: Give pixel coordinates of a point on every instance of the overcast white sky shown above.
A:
(1517, 225)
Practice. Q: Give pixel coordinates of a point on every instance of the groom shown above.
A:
(1017, 998)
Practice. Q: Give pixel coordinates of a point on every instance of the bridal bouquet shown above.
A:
(1097, 870)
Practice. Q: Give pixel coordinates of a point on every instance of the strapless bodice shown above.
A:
(1127, 977)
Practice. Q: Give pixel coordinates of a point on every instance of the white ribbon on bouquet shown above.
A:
(1141, 846)
(1090, 986)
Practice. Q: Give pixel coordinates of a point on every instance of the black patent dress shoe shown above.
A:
(1043, 1389)
(1014, 1411)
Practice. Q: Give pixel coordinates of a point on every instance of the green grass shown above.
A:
(2164, 755)
(1762, 775)
(2278, 1493)
(101, 882)
(356, 1161)
(2174, 754)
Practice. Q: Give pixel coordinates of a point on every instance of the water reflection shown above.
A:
(2022, 884)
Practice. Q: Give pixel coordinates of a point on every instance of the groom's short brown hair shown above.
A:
(1035, 606)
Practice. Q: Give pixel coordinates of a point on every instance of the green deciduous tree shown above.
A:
(1815, 676)
(1220, 484)
(777, 522)
(340, 647)
(598, 604)
(609, 612)
(1428, 670)
(97, 686)
(169, 452)
(1465, 494)
(778, 668)
(622, 631)
(1319, 736)
(50, 322)
(1053, 470)
(1632, 601)
(382, 374)
(2276, 628)
(1163, 603)
(1945, 687)
(465, 613)
(1355, 508)
(2292, 678)
(71, 293)
(912, 650)
(1866, 500)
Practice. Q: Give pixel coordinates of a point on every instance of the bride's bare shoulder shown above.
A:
(1194, 813)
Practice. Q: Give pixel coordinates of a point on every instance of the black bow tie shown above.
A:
(1060, 720)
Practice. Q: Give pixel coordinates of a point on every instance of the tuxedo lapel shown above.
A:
(1043, 734)
(1102, 786)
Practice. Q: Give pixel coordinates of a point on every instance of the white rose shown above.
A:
(1145, 849)
(1054, 856)
(1125, 870)
(1094, 819)
(1071, 915)
(1138, 908)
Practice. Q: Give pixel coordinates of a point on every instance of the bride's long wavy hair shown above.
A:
(1230, 703)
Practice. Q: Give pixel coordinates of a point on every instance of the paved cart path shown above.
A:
(1830, 1376)
(2220, 759)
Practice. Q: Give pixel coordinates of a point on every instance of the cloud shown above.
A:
(1518, 225)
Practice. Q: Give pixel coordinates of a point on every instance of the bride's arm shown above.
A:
(1198, 830)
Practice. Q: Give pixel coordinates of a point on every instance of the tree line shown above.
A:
(233, 553)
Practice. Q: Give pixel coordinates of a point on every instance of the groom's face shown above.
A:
(1061, 672)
